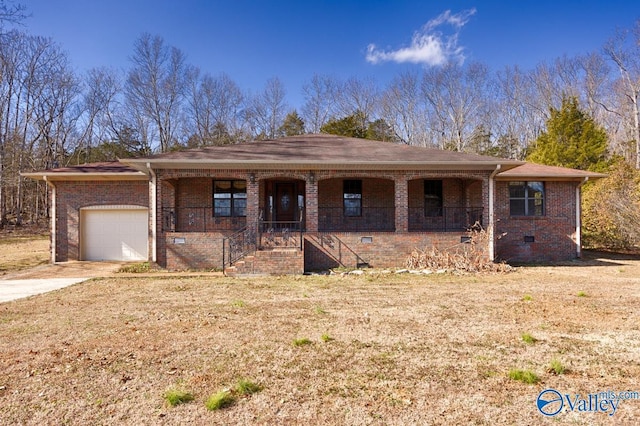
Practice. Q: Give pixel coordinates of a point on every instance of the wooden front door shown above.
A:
(286, 202)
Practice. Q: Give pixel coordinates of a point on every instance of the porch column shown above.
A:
(253, 198)
(402, 204)
(311, 201)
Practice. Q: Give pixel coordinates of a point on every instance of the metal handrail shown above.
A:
(328, 240)
(239, 244)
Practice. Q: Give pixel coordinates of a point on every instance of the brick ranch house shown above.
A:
(309, 203)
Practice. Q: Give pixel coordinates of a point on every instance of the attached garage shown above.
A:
(114, 233)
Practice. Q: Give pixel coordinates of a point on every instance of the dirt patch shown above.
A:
(384, 349)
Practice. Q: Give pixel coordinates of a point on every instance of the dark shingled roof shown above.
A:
(313, 152)
(540, 171)
(319, 150)
(105, 170)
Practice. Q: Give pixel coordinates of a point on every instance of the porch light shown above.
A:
(312, 177)
(252, 178)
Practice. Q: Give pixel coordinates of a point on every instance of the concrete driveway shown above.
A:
(47, 278)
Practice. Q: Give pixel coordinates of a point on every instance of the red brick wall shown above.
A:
(193, 250)
(554, 233)
(386, 249)
(72, 196)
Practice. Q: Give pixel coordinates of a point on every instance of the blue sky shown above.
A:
(253, 41)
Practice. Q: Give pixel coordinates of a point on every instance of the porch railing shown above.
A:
(198, 219)
(280, 234)
(445, 219)
(371, 219)
(240, 244)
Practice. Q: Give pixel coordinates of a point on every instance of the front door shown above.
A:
(286, 202)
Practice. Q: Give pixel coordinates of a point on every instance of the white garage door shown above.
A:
(114, 233)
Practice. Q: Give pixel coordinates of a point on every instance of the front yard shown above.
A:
(370, 349)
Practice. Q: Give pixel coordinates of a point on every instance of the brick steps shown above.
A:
(269, 262)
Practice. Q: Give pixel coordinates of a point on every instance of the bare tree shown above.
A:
(455, 99)
(624, 50)
(320, 101)
(403, 108)
(267, 110)
(37, 98)
(12, 12)
(156, 86)
(101, 89)
(214, 108)
(358, 96)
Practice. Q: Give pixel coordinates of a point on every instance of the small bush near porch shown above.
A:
(383, 349)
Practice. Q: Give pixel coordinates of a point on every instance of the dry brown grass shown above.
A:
(405, 349)
(20, 251)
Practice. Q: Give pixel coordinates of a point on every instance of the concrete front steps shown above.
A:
(279, 261)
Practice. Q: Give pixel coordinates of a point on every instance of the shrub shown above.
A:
(463, 257)
(135, 268)
(528, 338)
(612, 209)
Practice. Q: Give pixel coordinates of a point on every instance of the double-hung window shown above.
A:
(229, 198)
(526, 198)
(352, 197)
(433, 198)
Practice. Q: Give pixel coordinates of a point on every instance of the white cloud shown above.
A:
(430, 45)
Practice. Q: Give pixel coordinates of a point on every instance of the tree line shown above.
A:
(51, 115)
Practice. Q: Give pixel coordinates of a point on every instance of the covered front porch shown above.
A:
(214, 219)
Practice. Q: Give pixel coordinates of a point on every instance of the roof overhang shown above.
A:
(144, 165)
(540, 172)
(71, 176)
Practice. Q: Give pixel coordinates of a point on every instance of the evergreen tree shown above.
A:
(350, 126)
(572, 139)
(293, 125)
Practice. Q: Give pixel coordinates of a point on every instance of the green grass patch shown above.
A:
(247, 387)
(527, 298)
(238, 304)
(528, 338)
(176, 396)
(556, 367)
(582, 294)
(326, 338)
(302, 342)
(220, 400)
(525, 376)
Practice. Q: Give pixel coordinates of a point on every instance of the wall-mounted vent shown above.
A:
(529, 239)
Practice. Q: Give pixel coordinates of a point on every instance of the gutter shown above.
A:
(492, 243)
(579, 217)
(53, 220)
